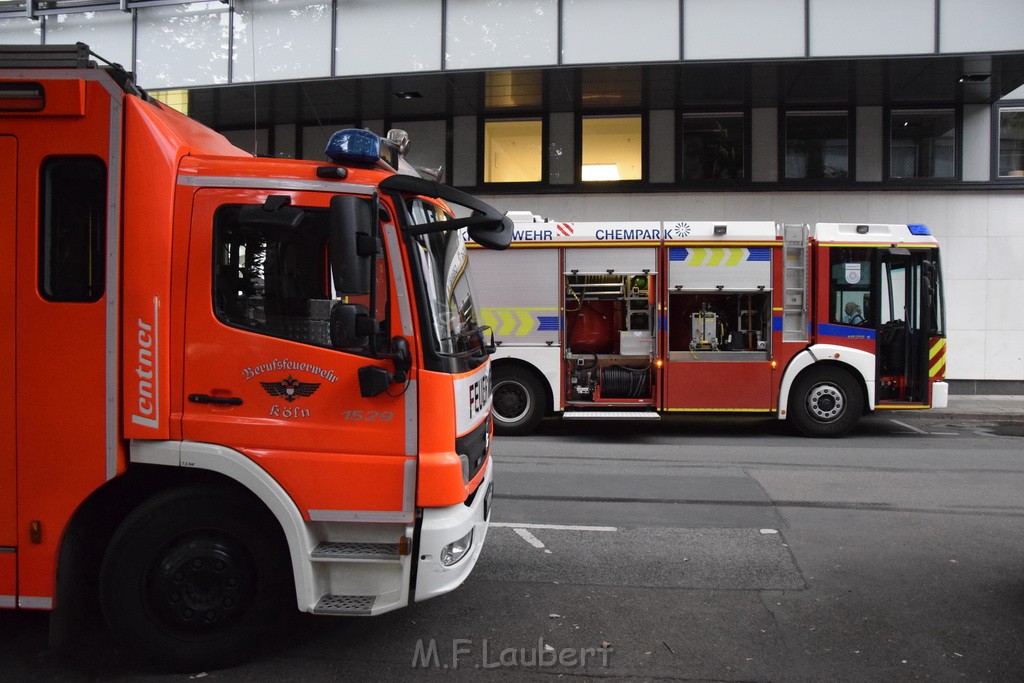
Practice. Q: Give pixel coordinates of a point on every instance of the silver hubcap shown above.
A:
(511, 401)
(825, 402)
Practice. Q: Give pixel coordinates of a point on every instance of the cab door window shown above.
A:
(276, 280)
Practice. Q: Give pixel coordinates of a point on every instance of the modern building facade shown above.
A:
(588, 110)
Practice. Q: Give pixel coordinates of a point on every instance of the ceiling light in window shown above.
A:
(600, 172)
(408, 95)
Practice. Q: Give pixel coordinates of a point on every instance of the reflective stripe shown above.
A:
(375, 516)
(274, 184)
(8, 601)
(937, 359)
(28, 602)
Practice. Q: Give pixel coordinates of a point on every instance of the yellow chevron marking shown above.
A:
(512, 321)
(527, 322)
(716, 256)
(938, 347)
(938, 368)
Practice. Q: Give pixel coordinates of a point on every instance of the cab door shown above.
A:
(905, 322)
(8, 484)
(261, 376)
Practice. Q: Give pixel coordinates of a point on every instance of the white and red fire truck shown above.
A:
(234, 385)
(629, 320)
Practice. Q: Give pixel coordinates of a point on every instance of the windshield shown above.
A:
(449, 292)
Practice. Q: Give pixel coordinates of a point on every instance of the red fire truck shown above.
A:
(234, 385)
(630, 320)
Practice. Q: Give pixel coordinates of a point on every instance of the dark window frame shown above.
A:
(958, 143)
(746, 124)
(851, 144)
(996, 123)
(72, 188)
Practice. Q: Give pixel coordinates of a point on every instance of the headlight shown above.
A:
(453, 552)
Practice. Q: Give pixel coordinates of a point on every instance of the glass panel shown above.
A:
(1011, 143)
(850, 286)
(714, 146)
(612, 87)
(512, 151)
(483, 34)
(108, 34)
(276, 281)
(923, 144)
(606, 31)
(176, 99)
(20, 31)
(73, 217)
(506, 89)
(612, 148)
(408, 40)
(817, 145)
(281, 39)
(182, 45)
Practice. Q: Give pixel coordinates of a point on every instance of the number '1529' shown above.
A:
(368, 415)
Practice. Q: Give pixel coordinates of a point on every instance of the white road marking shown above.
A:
(529, 538)
(904, 424)
(944, 434)
(560, 527)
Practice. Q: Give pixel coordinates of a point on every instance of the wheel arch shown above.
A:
(519, 364)
(860, 365)
(91, 528)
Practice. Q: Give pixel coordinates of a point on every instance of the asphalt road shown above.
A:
(694, 550)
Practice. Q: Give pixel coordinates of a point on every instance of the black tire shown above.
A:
(825, 402)
(518, 401)
(194, 578)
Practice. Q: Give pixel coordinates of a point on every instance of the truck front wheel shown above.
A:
(825, 402)
(194, 577)
(518, 401)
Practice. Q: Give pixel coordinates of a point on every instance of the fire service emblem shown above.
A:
(290, 388)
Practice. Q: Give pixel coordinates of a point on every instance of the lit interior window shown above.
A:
(512, 151)
(612, 148)
(176, 99)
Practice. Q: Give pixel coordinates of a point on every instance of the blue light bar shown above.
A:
(353, 145)
(919, 229)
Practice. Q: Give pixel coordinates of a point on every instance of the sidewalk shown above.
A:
(983, 407)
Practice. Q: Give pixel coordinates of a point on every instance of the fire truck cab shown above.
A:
(234, 385)
(630, 320)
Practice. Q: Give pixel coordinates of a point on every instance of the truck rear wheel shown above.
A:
(518, 401)
(194, 577)
(825, 402)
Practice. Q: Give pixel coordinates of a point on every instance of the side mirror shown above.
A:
(353, 244)
(402, 358)
(490, 346)
(351, 326)
(374, 380)
(492, 233)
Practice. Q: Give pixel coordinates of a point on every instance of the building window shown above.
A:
(817, 145)
(176, 99)
(612, 148)
(922, 144)
(1011, 142)
(512, 151)
(72, 249)
(714, 146)
(508, 89)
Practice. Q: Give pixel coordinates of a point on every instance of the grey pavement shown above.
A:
(980, 407)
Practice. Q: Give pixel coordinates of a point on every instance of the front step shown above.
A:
(610, 415)
(345, 552)
(341, 605)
